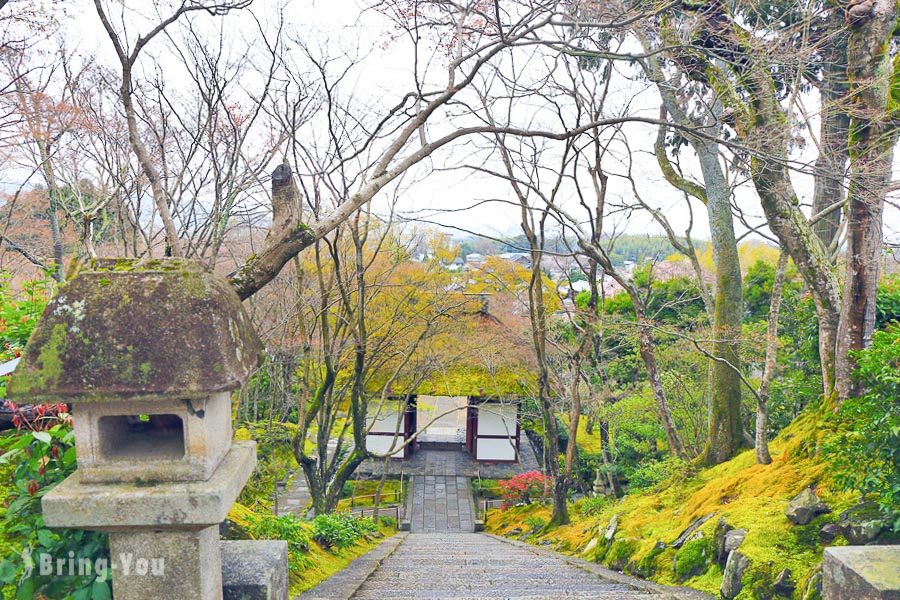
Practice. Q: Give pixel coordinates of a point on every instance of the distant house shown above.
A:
(580, 286)
(523, 258)
(456, 265)
(474, 259)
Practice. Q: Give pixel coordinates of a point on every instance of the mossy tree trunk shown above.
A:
(771, 362)
(725, 308)
(725, 428)
(739, 73)
(874, 108)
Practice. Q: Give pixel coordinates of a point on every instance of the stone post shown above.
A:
(147, 353)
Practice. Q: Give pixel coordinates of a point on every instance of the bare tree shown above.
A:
(128, 55)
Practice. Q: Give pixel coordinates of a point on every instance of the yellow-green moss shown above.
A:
(693, 558)
(748, 495)
(50, 359)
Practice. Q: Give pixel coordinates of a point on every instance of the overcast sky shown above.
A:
(440, 197)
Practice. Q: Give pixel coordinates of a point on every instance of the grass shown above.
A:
(748, 495)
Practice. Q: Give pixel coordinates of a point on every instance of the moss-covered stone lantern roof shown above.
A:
(126, 328)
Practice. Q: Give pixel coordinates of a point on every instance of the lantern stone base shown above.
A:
(861, 573)
(123, 506)
(166, 564)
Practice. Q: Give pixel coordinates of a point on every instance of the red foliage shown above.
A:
(524, 488)
(35, 417)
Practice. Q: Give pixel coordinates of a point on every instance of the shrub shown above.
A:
(341, 530)
(42, 460)
(486, 488)
(652, 473)
(525, 487)
(594, 505)
(266, 526)
(887, 301)
(865, 450)
(388, 521)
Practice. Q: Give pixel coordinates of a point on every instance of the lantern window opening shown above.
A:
(142, 437)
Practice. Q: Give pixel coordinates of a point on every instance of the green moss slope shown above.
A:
(747, 495)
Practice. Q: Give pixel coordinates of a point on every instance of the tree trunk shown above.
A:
(786, 221)
(160, 197)
(574, 418)
(537, 312)
(611, 478)
(833, 150)
(873, 133)
(761, 123)
(648, 354)
(725, 309)
(762, 400)
(646, 344)
(725, 429)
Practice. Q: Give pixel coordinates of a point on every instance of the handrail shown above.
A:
(376, 510)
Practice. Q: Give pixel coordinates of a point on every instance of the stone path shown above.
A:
(441, 504)
(296, 497)
(465, 566)
(442, 558)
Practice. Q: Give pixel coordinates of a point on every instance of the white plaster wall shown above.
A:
(497, 419)
(493, 449)
(386, 421)
(382, 444)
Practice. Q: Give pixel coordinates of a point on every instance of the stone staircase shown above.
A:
(470, 565)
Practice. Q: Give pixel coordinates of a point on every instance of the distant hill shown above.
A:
(636, 248)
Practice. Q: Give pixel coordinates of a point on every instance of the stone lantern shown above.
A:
(599, 486)
(147, 353)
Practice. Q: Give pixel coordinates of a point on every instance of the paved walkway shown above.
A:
(441, 504)
(296, 497)
(466, 566)
(442, 558)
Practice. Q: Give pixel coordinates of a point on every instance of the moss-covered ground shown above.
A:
(325, 563)
(588, 443)
(746, 494)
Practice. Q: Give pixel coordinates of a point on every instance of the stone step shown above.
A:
(510, 584)
(484, 591)
(470, 565)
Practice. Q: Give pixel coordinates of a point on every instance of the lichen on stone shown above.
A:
(138, 328)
